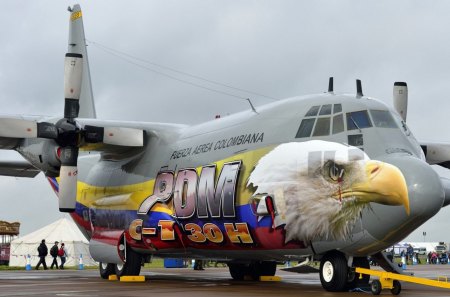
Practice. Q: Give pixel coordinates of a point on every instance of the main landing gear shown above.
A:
(254, 270)
(336, 276)
(131, 267)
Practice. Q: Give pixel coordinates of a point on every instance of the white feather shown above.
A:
(311, 212)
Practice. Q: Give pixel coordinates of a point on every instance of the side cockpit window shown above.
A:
(305, 128)
(321, 121)
(325, 110)
(312, 112)
(358, 120)
(338, 124)
(322, 127)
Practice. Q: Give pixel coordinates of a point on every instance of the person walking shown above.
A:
(42, 252)
(54, 254)
(62, 255)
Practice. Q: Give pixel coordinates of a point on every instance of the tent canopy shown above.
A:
(63, 230)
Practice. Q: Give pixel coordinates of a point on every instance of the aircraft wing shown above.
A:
(19, 168)
(149, 129)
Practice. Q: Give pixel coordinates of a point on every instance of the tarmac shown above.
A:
(185, 282)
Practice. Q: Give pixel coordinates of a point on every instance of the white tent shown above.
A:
(63, 230)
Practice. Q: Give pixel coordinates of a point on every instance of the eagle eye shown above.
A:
(335, 171)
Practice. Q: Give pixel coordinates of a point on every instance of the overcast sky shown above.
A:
(276, 48)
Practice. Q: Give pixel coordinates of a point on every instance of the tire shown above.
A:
(333, 272)
(132, 266)
(397, 287)
(353, 280)
(266, 268)
(238, 271)
(375, 287)
(106, 269)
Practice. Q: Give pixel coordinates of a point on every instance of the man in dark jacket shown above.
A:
(43, 252)
(54, 254)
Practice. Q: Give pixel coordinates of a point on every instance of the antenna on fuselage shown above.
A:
(330, 85)
(251, 105)
(359, 92)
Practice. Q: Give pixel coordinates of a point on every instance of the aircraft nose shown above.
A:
(425, 194)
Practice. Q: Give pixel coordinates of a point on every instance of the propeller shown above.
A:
(68, 134)
(401, 98)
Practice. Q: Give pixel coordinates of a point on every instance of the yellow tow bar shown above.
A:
(389, 280)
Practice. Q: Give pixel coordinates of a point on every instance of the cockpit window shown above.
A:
(322, 127)
(338, 124)
(337, 108)
(358, 120)
(305, 127)
(383, 119)
(326, 109)
(312, 112)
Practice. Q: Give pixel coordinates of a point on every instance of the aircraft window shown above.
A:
(358, 120)
(326, 109)
(305, 128)
(337, 108)
(312, 112)
(382, 119)
(356, 140)
(322, 127)
(338, 123)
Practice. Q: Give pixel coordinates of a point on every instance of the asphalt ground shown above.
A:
(185, 282)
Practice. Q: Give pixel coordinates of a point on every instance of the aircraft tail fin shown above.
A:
(77, 45)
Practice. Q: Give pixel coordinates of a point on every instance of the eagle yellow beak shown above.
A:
(384, 184)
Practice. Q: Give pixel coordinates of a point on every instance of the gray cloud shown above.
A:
(276, 48)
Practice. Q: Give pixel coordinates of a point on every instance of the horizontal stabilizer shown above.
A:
(18, 168)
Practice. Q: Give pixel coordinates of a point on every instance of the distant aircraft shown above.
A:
(332, 177)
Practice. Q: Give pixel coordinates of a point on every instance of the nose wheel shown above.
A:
(333, 272)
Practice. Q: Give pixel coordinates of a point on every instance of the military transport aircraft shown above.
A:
(331, 177)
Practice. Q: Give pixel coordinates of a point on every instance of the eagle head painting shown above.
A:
(325, 186)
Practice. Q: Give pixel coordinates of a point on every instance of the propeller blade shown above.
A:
(401, 98)
(68, 179)
(73, 70)
(114, 135)
(18, 128)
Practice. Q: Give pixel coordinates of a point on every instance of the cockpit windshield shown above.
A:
(382, 119)
(358, 120)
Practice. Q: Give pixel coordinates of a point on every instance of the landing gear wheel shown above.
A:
(376, 287)
(354, 280)
(333, 272)
(238, 270)
(106, 269)
(132, 266)
(397, 288)
(266, 268)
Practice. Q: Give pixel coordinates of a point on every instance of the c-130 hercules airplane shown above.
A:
(332, 177)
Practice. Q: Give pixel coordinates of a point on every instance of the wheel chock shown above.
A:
(113, 277)
(132, 278)
(269, 278)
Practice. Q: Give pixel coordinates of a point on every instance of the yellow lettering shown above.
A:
(213, 233)
(196, 232)
(238, 232)
(135, 229)
(167, 231)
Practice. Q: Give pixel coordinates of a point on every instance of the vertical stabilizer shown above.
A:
(77, 45)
